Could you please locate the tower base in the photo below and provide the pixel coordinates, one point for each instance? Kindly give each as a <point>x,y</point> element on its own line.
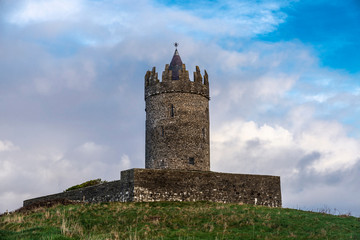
<point>149,185</point>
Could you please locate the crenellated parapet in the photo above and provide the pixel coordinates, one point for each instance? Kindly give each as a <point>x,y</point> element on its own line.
<point>151,77</point>
<point>168,74</point>
<point>183,84</point>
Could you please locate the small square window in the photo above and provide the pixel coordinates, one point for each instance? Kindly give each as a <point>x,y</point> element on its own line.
<point>191,160</point>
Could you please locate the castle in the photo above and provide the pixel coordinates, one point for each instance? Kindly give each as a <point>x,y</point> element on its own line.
<point>177,152</point>
<point>177,119</point>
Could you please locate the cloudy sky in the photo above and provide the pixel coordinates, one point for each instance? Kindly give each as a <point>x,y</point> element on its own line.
<point>284,81</point>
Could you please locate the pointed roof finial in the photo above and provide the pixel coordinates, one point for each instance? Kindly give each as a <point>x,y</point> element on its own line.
<point>175,64</point>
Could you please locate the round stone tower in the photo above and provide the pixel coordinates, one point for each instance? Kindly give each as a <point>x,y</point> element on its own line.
<point>177,118</point>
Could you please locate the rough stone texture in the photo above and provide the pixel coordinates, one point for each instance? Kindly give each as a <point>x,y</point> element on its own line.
<point>181,185</point>
<point>177,121</point>
<point>148,185</point>
<point>116,191</point>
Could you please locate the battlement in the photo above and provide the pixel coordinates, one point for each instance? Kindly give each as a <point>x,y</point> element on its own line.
<point>181,83</point>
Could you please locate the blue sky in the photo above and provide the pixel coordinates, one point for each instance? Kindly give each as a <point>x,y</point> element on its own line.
<point>284,85</point>
<point>330,27</point>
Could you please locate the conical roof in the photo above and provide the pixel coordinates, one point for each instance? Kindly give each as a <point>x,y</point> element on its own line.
<point>175,65</point>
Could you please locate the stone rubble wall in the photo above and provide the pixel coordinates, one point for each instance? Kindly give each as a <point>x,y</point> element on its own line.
<point>115,191</point>
<point>149,185</point>
<point>180,185</point>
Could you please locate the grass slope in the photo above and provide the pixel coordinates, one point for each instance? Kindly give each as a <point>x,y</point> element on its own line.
<point>175,220</point>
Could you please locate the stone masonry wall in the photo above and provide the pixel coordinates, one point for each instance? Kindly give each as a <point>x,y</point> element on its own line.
<point>148,185</point>
<point>179,185</point>
<point>177,132</point>
<point>115,191</point>
<point>177,121</point>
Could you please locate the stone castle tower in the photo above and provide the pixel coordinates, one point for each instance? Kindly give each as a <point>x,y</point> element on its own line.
<point>177,118</point>
<point>177,142</point>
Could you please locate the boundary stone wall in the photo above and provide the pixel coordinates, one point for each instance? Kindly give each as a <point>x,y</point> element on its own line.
<point>181,185</point>
<point>149,185</point>
<point>115,191</point>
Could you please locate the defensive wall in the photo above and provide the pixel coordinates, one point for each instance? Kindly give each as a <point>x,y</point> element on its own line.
<point>149,185</point>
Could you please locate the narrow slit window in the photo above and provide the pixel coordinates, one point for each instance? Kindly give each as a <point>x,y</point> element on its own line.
<point>162,131</point>
<point>191,160</point>
<point>172,110</point>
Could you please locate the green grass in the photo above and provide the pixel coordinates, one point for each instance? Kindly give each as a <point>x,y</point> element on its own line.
<point>86,184</point>
<point>175,220</point>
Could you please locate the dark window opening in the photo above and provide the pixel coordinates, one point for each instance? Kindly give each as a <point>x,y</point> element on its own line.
<point>191,160</point>
<point>172,112</point>
<point>162,131</point>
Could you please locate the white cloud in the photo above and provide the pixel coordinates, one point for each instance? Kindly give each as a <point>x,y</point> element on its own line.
<point>239,142</point>
<point>321,98</point>
<point>47,169</point>
<point>124,162</point>
<point>273,86</point>
<point>91,148</point>
<point>106,23</point>
<point>231,60</point>
<point>10,201</point>
<point>45,10</point>
<point>234,18</point>
<point>79,78</point>
<point>314,163</point>
<point>7,146</point>
<point>57,75</point>
<point>240,146</point>
<point>338,151</point>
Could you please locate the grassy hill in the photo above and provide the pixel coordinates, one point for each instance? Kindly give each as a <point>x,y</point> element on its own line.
<point>174,220</point>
